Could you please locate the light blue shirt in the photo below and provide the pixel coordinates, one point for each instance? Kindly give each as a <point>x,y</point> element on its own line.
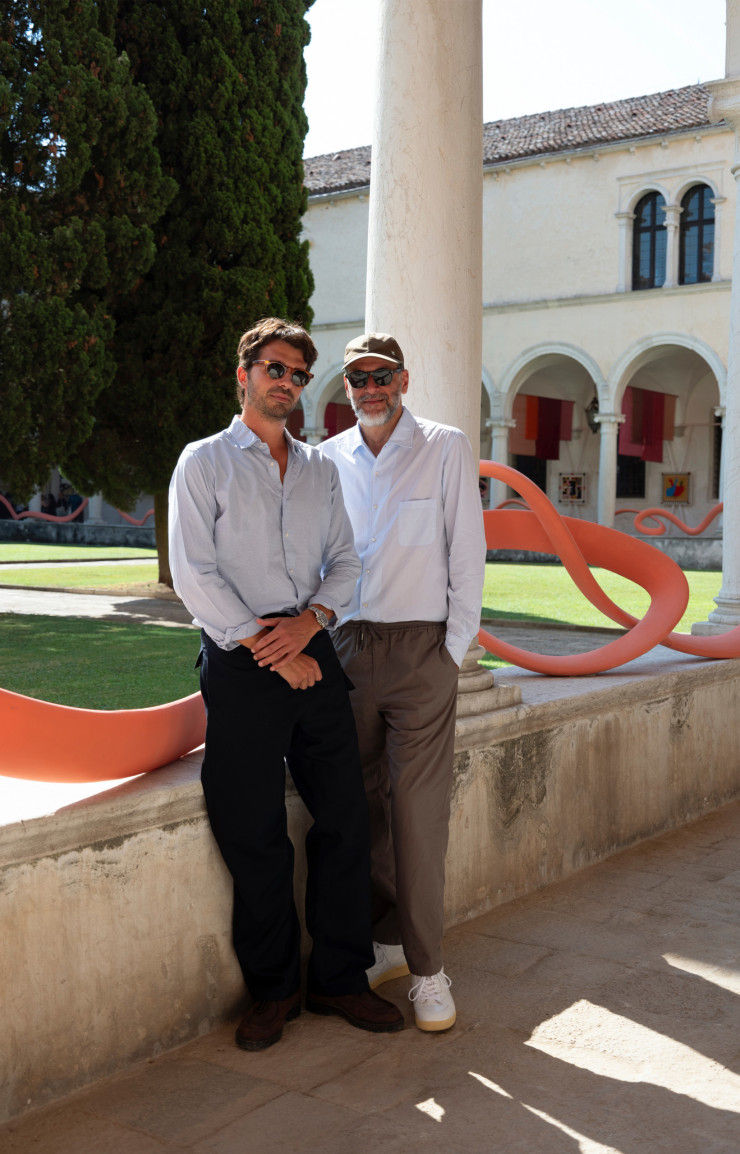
<point>243,545</point>
<point>418,524</point>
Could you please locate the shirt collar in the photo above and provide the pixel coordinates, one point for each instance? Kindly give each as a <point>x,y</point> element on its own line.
<point>246,439</point>
<point>402,435</point>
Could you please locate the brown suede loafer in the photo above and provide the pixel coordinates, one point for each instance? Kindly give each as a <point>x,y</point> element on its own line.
<point>366,1010</point>
<point>262,1025</point>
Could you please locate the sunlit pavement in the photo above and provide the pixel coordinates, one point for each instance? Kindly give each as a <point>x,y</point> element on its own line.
<point>599,1015</point>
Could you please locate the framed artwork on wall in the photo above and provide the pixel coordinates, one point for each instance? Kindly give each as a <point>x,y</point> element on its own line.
<point>676,488</point>
<point>572,489</point>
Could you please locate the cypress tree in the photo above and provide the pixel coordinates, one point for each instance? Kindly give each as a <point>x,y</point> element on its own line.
<point>80,185</point>
<point>227,80</point>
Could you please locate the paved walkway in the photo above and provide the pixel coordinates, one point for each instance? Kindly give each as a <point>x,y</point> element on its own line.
<point>598,1015</point>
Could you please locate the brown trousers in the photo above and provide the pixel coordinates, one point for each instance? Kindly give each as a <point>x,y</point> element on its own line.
<point>404,698</point>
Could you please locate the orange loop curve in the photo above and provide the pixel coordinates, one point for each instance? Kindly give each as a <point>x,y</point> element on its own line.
<point>578,544</point>
<point>27,513</point>
<point>43,741</point>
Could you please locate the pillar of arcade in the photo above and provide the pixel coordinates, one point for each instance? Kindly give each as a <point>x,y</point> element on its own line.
<point>425,237</point>
<point>608,442</point>
<point>725,105</point>
<point>424,276</point>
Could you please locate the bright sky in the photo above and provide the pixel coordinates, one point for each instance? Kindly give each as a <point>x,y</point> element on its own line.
<point>537,55</point>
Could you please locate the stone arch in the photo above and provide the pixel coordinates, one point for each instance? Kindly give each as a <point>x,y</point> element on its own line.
<point>647,187</point>
<point>542,356</point>
<point>692,182</point>
<point>650,348</point>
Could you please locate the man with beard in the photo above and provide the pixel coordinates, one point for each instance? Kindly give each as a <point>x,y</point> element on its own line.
<point>261,553</point>
<point>411,491</point>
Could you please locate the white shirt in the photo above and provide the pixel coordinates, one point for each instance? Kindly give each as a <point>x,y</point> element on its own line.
<point>418,524</point>
<point>243,545</point>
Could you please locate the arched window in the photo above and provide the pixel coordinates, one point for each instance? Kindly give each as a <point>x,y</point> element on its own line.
<point>649,242</point>
<point>696,262</point>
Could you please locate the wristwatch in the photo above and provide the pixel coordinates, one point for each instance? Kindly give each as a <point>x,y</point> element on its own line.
<point>320,616</point>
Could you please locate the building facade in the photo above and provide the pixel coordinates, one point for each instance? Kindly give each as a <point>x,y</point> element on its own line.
<point>607,258</point>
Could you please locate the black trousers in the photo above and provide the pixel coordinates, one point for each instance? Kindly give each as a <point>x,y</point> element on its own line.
<point>256,722</point>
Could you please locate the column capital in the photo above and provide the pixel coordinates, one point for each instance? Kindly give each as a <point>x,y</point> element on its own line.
<point>719,411</point>
<point>500,423</point>
<point>314,434</point>
<point>672,212</point>
<point>609,422</point>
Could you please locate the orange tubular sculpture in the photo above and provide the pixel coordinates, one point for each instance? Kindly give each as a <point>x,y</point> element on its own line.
<point>580,544</point>
<point>42,741</point>
<point>46,742</point>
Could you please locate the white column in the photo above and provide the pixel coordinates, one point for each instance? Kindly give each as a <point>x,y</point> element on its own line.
<point>34,505</point>
<point>499,427</point>
<point>727,613</point>
<point>424,275</point>
<point>626,220</point>
<point>672,218</point>
<point>608,433</point>
<point>95,509</point>
<point>725,104</point>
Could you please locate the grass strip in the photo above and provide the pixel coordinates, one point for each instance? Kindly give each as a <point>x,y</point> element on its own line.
<point>43,551</point>
<point>546,593</point>
<point>96,664</point>
<point>110,577</point>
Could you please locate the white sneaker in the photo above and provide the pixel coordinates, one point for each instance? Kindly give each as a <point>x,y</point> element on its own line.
<point>390,962</point>
<point>434,1007</point>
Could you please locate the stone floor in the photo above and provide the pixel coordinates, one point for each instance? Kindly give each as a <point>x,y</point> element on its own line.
<point>601,1014</point>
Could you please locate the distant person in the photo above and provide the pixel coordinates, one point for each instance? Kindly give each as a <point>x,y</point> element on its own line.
<point>262,555</point>
<point>73,503</point>
<point>411,491</point>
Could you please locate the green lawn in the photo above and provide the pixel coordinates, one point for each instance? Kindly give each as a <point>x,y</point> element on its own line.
<point>10,551</point>
<point>547,593</point>
<point>106,665</point>
<point>83,577</point>
<point>97,664</point>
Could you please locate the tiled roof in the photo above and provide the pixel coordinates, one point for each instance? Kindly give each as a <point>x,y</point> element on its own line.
<point>679,110</point>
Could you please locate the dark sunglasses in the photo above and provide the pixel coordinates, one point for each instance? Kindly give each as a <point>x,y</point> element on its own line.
<point>358,379</point>
<point>276,370</point>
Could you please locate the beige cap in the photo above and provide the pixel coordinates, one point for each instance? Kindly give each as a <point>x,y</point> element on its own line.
<point>380,345</point>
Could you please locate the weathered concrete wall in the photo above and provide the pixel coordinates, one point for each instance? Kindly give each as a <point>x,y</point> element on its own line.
<point>115,913</point>
<point>74,533</point>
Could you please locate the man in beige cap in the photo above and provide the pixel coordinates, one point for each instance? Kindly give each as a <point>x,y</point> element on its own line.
<point>411,490</point>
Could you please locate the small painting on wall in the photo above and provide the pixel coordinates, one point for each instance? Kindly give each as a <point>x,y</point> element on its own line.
<point>572,489</point>
<point>676,488</point>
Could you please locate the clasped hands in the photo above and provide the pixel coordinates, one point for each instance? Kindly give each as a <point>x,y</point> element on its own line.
<point>280,646</point>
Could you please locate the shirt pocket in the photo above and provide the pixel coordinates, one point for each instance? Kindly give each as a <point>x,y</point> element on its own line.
<point>417,522</point>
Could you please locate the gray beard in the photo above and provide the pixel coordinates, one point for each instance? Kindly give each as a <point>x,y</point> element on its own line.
<point>374,420</point>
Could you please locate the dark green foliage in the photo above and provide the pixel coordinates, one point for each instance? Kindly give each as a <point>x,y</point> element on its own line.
<point>227,80</point>
<point>80,186</point>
